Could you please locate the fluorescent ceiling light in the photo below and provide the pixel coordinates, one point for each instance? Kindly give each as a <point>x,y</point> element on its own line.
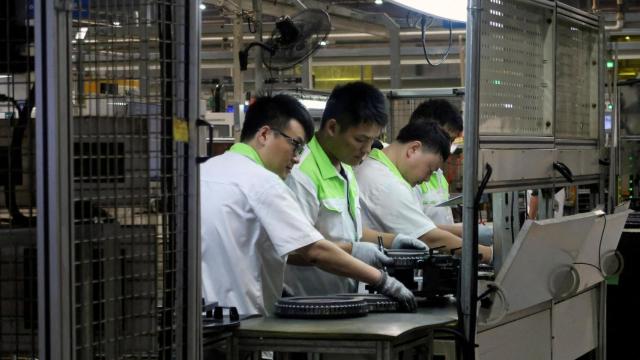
<point>455,10</point>
<point>82,32</point>
<point>203,7</point>
<point>378,2</point>
<point>313,104</point>
<point>4,76</point>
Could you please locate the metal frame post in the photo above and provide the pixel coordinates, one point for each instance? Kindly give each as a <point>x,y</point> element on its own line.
<point>393,30</point>
<point>470,178</point>
<point>601,133</point>
<point>193,340</point>
<point>238,76</point>
<point>258,70</point>
<point>53,170</point>
<point>307,73</point>
<point>614,158</point>
<point>506,225</point>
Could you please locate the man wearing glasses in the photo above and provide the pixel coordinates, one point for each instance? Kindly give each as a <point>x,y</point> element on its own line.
<point>251,222</point>
<point>326,188</point>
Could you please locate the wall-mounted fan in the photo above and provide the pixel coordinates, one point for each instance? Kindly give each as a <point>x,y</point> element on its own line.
<point>293,40</point>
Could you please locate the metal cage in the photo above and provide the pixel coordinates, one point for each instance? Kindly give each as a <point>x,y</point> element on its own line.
<point>18,261</point>
<point>118,241</point>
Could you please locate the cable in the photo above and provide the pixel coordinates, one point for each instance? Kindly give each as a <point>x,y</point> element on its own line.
<point>598,267</point>
<point>407,18</point>
<point>424,27</point>
<point>250,22</point>
<point>513,200</point>
<point>590,264</point>
<point>600,245</point>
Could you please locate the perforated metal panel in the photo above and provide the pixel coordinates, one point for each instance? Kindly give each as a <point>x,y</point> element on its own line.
<point>18,259</point>
<point>576,80</point>
<point>401,108</point>
<point>129,171</point>
<point>516,69</point>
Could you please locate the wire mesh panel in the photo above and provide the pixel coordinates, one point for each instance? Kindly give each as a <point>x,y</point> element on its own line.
<point>18,256</point>
<point>576,80</point>
<point>516,69</point>
<point>401,109</point>
<point>128,178</point>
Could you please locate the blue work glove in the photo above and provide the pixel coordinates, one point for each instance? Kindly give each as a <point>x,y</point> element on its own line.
<point>369,254</point>
<point>393,288</point>
<point>407,242</point>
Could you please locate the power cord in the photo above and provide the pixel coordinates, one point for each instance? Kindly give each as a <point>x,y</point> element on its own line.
<point>598,267</point>
<point>424,26</point>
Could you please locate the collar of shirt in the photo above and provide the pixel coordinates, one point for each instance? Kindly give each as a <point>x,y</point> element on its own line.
<point>437,181</point>
<point>246,150</point>
<point>327,170</point>
<point>380,156</point>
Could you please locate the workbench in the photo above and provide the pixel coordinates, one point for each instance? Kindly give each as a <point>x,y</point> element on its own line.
<point>384,335</point>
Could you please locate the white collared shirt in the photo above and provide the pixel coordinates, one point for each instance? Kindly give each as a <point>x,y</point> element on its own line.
<point>389,203</point>
<point>433,192</point>
<point>331,204</point>
<point>250,222</point>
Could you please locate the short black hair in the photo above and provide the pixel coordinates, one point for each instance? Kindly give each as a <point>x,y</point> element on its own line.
<point>430,134</point>
<point>275,112</point>
<point>355,103</point>
<point>440,111</point>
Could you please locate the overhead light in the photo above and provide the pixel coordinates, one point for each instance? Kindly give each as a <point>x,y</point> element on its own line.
<point>116,23</point>
<point>323,43</point>
<point>313,104</point>
<point>82,32</point>
<point>4,76</point>
<point>627,37</point>
<point>455,10</point>
<point>378,2</point>
<point>203,7</point>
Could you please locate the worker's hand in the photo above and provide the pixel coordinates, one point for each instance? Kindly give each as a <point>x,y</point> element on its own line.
<point>369,254</point>
<point>407,242</point>
<point>391,287</point>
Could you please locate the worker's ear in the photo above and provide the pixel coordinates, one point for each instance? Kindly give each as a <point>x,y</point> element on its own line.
<point>263,135</point>
<point>413,147</point>
<point>331,127</point>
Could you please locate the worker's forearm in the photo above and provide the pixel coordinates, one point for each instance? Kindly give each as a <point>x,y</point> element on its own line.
<point>455,229</point>
<point>299,260</point>
<point>371,236</point>
<point>331,258</point>
<point>439,238</point>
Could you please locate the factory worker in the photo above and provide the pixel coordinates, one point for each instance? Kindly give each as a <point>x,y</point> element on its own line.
<point>326,188</point>
<point>387,179</point>
<point>436,189</point>
<point>251,222</point>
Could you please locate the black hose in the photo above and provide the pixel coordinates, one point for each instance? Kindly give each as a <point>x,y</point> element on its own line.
<point>15,157</point>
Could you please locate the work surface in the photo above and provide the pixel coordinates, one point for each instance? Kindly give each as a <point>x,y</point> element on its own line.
<point>371,327</point>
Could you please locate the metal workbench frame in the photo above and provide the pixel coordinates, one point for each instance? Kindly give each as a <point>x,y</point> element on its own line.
<point>384,349</point>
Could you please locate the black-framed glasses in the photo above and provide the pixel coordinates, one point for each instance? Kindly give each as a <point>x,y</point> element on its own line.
<point>298,146</point>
